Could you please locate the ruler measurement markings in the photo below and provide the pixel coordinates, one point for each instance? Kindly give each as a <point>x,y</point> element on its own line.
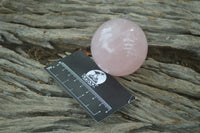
<point>84,104</point>
<point>91,98</point>
<point>75,95</point>
<point>85,84</point>
<point>87,107</point>
<point>78,98</point>
<point>71,92</point>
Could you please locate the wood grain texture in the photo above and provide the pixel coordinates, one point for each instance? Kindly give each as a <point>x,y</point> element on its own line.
<point>34,33</point>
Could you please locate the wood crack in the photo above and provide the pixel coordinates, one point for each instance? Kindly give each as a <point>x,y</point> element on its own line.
<point>35,33</point>
<point>172,55</point>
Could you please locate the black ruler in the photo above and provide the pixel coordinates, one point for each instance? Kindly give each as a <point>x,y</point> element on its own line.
<point>99,93</point>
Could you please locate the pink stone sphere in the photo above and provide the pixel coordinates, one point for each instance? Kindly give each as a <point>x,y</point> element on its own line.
<point>119,47</point>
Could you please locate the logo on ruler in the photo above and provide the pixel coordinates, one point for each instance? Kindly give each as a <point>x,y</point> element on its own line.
<point>94,77</point>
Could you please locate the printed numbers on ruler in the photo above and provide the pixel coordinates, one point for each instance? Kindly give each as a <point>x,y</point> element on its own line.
<point>94,103</point>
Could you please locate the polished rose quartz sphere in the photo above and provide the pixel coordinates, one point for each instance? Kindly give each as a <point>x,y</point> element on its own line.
<point>119,47</point>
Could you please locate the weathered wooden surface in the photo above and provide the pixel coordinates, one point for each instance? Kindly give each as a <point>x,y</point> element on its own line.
<point>34,33</point>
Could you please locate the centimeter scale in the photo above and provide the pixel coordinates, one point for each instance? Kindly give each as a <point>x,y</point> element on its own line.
<point>99,93</point>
